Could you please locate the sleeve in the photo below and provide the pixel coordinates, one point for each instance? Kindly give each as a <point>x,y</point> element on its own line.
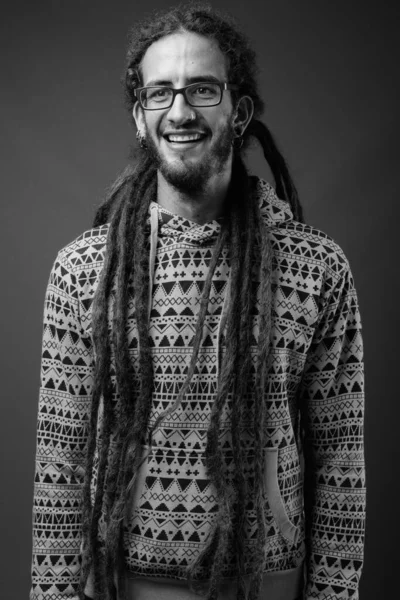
<point>332,409</point>
<point>64,404</point>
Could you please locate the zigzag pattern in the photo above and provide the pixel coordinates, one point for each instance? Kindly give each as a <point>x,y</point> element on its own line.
<point>316,374</point>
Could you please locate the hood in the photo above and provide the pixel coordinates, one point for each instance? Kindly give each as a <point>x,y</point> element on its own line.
<point>176,228</point>
<point>273,209</point>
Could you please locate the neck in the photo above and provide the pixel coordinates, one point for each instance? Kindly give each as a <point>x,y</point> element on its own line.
<point>206,205</point>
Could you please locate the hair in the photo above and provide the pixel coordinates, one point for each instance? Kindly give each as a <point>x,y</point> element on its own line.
<point>125,280</point>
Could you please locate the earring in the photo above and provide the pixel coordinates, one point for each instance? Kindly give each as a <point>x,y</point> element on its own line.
<point>141,138</point>
<point>237,141</point>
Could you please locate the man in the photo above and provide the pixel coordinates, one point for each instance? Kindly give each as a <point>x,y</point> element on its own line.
<point>201,342</point>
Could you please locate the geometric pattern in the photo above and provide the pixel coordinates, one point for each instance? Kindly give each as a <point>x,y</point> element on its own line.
<point>315,379</point>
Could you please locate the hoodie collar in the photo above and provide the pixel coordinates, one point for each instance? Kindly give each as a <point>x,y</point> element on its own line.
<point>180,229</point>
<point>177,228</point>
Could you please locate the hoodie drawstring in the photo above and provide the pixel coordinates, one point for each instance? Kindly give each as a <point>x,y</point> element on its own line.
<point>153,250</point>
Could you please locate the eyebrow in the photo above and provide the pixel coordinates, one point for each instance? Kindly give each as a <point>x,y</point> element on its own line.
<point>189,80</point>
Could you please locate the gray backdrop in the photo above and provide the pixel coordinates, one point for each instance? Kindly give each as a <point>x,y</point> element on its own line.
<point>329,78</point>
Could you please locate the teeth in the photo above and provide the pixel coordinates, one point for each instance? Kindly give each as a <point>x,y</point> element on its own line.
<point>184,138</point>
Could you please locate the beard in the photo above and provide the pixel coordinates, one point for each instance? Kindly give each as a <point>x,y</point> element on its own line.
<point>188,177</point>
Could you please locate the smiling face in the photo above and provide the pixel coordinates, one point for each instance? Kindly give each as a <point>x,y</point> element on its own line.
<point>190,145</point>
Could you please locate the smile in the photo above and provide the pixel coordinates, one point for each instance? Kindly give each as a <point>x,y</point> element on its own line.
<point>184,138</point>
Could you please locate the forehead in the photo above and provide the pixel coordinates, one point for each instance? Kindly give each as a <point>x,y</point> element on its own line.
<point>178,57</point>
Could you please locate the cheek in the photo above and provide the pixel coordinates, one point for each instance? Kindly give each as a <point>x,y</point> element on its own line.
<point>152,123</point>
<point>224,118</point>
<point>223,123</point>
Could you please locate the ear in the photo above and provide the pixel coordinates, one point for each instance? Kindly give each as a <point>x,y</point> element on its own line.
<point>243,113</point>
<point>138,115</point>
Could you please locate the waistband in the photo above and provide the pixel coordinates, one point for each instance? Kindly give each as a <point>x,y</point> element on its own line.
<point>276,585</point>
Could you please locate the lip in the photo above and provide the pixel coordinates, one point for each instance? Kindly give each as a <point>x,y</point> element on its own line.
<point>185,133</point>
<point>184,146</point>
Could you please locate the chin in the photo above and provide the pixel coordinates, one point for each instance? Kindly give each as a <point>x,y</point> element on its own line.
<point>186,178</point>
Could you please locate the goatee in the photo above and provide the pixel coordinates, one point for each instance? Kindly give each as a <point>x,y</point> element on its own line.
<point>192,178</point>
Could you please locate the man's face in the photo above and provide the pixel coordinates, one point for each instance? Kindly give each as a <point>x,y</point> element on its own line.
<point>178,60</point>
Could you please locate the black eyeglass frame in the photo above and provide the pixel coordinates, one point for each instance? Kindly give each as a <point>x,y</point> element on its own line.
<point>222,86</point>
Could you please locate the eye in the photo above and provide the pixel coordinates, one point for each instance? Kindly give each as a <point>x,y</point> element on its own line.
<point>203,90</point>
<point>157,93</point>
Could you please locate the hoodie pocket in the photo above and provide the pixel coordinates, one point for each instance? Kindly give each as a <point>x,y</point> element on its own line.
<point>271,486</point>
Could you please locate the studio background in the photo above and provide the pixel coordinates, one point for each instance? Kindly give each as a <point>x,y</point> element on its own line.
<point>329,77</point>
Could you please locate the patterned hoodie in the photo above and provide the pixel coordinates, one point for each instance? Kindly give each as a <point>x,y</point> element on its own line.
<point>315,373</point>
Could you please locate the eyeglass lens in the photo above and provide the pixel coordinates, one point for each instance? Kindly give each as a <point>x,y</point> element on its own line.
<point>197,94</point>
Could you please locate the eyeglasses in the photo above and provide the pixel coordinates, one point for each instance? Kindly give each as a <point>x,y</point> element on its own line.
<point>204,93</point>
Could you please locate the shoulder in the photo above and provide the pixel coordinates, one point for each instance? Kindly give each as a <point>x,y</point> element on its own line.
<point>311,261</point>
<point>84,252</point>
<point>75,274</point>
<point>304,243</point>
<point>78,264</point>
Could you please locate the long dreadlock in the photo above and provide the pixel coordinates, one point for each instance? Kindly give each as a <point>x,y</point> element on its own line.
<point>124,281</point>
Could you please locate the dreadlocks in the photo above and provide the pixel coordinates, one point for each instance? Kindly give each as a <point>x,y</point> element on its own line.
<point>124,282</point>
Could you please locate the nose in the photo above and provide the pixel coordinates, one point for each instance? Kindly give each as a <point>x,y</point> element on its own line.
<point>180,111</point>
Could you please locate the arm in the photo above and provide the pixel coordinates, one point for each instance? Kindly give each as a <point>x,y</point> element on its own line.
<point>64,404</point>
<point>332,407</point>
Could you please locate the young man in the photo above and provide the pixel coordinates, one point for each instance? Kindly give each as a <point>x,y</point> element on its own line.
<point>201,343</point>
